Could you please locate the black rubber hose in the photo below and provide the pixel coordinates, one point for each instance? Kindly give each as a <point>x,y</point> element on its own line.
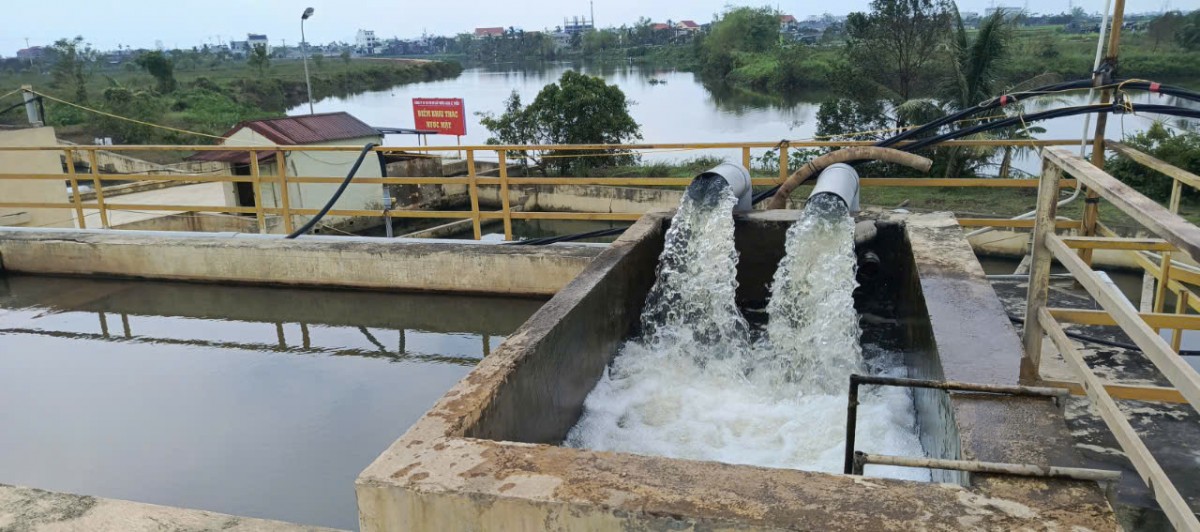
<point>568,238</point>
<point>1000,101</point>
<point>337,193</point>
<point>1102,341</point>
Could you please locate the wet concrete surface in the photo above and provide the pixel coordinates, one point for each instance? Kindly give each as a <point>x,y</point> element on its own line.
<point>1171,431</point>
<point>259,402</point>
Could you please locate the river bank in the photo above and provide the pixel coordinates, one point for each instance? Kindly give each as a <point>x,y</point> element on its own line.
<point>211,99</point>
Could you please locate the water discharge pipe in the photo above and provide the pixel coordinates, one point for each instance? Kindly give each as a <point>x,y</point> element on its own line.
<point>736,176</point>
<point>841,180</point>
<point>856,153</point>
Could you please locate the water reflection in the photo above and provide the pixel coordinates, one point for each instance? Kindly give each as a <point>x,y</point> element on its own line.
<point>252,401</point>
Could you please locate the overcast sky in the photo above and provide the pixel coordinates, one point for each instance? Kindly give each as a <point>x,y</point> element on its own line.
<point>186,23</point>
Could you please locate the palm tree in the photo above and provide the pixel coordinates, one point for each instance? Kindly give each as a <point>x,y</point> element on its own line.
<point>974,72</point>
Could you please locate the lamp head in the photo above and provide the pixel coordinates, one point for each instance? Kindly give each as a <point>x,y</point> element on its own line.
<point>307,13</point>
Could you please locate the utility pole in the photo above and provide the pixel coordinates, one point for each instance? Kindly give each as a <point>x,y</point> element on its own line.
<point>1091,208</point>
<point>304,52</point>
<point>592,8</point>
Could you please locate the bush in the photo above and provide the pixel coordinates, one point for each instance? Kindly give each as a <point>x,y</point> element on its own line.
<point>1179,149</point>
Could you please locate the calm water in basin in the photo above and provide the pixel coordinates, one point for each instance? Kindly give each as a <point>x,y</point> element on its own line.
<point>263,402</point>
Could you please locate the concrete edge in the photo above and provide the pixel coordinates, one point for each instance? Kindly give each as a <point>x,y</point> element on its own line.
<point>31,509</point>
<point>416,265</point>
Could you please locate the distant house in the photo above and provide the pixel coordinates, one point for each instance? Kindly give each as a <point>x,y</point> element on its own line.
<point>239,48</point>
<point>562,39</point>
<point>659,26</point>
<point>324,129</point>
<point>254,40</point>
<point>365,43</point>
<point>1008,11</point>
<point>33,53</point>
<point>686,28</point>
<point>481,33</point>
<point>787,23</point>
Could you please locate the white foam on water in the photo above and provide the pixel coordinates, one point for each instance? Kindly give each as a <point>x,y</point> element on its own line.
<point>695,385</point>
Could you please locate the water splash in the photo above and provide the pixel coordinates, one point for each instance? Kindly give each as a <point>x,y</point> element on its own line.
<point>697,384</point>
<point>812,332</point>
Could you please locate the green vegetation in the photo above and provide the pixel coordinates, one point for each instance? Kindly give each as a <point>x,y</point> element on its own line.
<point>579,109</point>
<point>1179,149</point>
<point>192,91</point>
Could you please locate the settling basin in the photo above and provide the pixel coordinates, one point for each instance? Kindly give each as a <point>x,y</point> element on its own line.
<point>263,402</point>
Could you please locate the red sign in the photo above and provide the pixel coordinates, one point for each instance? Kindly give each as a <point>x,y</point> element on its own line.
<point>444,115</point>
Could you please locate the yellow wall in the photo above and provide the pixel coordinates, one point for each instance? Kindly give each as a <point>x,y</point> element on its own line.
<point>33,191</point>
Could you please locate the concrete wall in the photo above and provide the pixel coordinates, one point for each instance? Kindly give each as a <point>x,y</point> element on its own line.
<point>567,344</point>
<point>477,459</point>
<point>119,163</point>
<point>204,223</point>
<point>356,262</point>
<point>33,191</point>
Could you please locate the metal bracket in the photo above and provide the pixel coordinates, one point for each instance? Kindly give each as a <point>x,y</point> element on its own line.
<point>856,380</point>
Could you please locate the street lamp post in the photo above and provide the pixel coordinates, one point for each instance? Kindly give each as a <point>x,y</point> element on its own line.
<point>304,52</point>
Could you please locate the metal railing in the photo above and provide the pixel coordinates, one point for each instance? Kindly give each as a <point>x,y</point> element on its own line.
<point>473,180</point>
<point>1174,235</point>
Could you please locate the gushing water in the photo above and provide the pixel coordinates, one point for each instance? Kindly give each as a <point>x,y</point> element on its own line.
<point>697,383</point>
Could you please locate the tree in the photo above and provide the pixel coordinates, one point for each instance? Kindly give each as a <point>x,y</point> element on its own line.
<point>896,44</point>
<point>71,56</point>
<point>345,55</point>
<point>579,109</point>
<point>138,104</point>
<point>598,41</point>
<point>318,60</point>
<point>259,58</point>
<point>161,68</point>
<point>740,30</point>
<point>1188,35</point>
<point>1179,149</point>
<point>973,77</point>
<point>1164,27</point>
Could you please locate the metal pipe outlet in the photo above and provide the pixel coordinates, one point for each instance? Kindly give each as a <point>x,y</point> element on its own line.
<point>735,175</point>
<point>841,180</point>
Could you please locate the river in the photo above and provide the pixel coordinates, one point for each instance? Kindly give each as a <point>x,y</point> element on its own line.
<point>682,109</point>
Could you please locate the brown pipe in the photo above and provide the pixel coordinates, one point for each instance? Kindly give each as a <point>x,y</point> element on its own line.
<point>854,153</point>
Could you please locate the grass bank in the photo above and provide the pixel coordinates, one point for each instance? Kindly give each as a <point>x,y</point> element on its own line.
<point>208,99</point>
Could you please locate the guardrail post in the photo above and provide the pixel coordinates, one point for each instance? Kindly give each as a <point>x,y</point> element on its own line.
<point>783,161</point>
<point>95,168</point>
<point>281,164</point>
<point>1176,195</point>
<point>746,157</point>
<point>504,201</point>
<point>1164,278</point>
<point>1181,307</point>
<point>1039,273</point>
<point>258,199</point>
<point>473,191</point>
<point>75,188</point>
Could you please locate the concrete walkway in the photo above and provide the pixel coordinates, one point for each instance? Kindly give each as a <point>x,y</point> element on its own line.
<point>1171,431</point>
<point>28,509</point>
<point>207,194</point>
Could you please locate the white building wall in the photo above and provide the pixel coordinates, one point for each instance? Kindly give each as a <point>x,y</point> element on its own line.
<point>315,164</point>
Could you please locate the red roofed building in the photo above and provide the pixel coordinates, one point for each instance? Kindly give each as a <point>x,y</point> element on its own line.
<point>787,23</point>
<point>685,28</point>
<point>324,129</point>
<point>489,32</point>
<point>659,26</point>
